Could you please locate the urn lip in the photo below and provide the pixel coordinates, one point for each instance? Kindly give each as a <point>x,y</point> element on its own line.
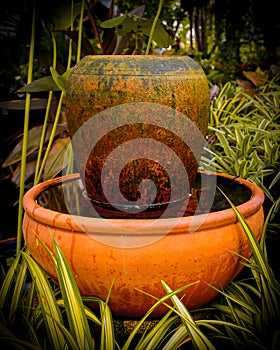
<point>138,226</point>
<point>138,65</point>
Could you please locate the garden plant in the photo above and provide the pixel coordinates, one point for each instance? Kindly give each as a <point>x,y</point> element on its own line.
<point>242,140</point>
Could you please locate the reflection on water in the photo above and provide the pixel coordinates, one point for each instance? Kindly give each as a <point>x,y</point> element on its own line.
<point>206,188</point>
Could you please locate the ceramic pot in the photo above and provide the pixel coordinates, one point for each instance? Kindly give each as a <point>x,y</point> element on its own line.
<point>145,86</point>
<point>210,254</point>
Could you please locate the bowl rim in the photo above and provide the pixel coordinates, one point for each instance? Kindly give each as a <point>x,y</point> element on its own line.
<point>138,226</point>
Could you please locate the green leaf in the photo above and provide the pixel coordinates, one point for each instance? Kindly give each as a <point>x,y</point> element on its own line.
<point>18,289</point>
<point>50,311</point>
<point>159,302</point>
<point>61,80</point>
<point>34,137</point>
<point>199,339</point>
<point>74,307</point>
<point>113,22</point>
<point>40,85</point>
<point>274,154</point>
<point>56,158</point>
<point>177,338</point>
<point>7,285</point>
<point>128,24</point>
<point>155,336</point>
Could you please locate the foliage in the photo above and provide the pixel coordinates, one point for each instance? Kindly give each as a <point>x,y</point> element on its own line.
<point>228,37</point>
<point>140,26</point>
<point>36,314</point>
<point>246,126</point>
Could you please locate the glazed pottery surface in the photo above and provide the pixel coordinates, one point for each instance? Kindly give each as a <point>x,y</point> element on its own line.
<point>144,86</point>
<point>210,254</point>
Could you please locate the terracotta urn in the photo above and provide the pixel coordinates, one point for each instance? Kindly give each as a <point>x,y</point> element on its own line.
<point>140,98</point>
<point>138,253</point>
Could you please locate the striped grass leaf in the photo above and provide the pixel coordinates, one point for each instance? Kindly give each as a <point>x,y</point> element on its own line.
<point>241,167</point>
<point>257,252</point>
<point>8,283</point>
<point>199,339</point>
<point>161,301</point>
<point>239,136</point>
<point>49,309</point>
<point>79,327</point>
<point>234,314</point>
<point>156,335</point>
<point>267,145</point>
<point>274,180</point>
<point>89,313</point>
<point>107,325</point>
<point>7,289</point>
<point>246,288</point>
<point>18,290</point>
<point>264,125</point>
<point>238,301</point>
<point>29,300</point>
<point>178,338</point>
<point>263,188</point>
<point>246,145</point>
<point>226,310</point>
<point>274,154</point>
<point>242,291</point>
<point>269,287</point>
<point>260,106</point>
<point>225,145</point>
<point>225,328</point>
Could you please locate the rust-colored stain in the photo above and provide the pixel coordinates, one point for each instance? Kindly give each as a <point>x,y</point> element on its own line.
<point>100,82</point>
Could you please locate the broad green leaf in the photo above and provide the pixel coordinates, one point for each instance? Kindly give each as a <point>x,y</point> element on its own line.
<point>40,85</point>
<point>56,158</point>
<point>29,171</point>
<point>34,137</point>
<point>141,26</point>
<point>113,22</point>
<point>59,17</point>
<point>35,104</point>
<point>61,80</point>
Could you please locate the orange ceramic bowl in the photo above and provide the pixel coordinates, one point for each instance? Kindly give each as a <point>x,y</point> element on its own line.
<point>138,253</point>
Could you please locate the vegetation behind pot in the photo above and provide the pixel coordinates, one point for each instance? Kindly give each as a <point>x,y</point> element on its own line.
<point>98,83</point>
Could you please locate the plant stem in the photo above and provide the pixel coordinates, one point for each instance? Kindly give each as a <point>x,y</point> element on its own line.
<point>80,31</point>
<point>57,116</point>
<point>153,27</point>
<point>70,40</point>
<point>25,137</point>
<point>42,140</point>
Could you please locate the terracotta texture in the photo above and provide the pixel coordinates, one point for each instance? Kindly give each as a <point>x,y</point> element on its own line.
<point>179,257</point>
<point>101,82</point>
